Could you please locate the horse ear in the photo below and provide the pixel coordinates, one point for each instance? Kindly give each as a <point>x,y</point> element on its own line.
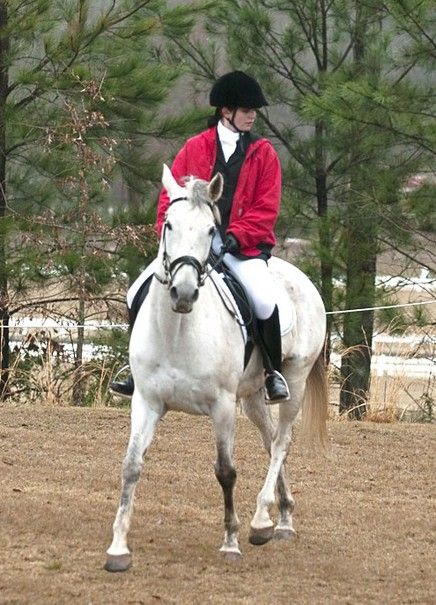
<point>215,187</point>
<point>168,181</point>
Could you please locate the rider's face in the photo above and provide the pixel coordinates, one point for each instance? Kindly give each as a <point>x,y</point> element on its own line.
<point>242,118</point>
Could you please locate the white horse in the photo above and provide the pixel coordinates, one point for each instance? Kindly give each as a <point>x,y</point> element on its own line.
<point>187,354</point>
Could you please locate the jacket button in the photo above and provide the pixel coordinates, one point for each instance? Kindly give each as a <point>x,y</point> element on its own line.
<point>240,212</point>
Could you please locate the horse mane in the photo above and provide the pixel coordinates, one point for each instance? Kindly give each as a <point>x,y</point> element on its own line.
<point>198,193</point>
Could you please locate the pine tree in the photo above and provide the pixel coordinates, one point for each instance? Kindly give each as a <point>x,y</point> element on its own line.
<point>51,53</point>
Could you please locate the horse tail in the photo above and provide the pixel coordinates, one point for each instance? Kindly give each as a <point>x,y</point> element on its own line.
<point>315,405</point>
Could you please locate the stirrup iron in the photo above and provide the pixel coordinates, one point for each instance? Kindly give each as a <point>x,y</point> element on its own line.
<point>276,388</point>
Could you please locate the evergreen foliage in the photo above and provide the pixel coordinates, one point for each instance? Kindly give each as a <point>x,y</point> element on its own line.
<point>352,112</point>
<point>82,85</point>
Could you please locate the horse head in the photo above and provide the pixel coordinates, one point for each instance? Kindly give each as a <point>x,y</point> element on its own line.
<point>189,227</point>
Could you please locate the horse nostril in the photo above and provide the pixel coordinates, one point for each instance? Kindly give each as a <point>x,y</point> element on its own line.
<point>173,292</point>
<point>195,295</point>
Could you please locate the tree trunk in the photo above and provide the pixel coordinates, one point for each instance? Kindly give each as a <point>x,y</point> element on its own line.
<point>79,375</point>
<point>358,327</point>
<point>324,232</point>
<point>4,298</point>
<point>361,256</point>
<point>325,238</point>
<point>79,378</point>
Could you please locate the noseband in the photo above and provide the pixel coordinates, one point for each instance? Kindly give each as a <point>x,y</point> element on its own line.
<point>171,268</point>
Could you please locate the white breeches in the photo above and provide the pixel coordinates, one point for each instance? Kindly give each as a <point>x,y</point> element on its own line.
<point>253,273</point>
<point>256,278</point>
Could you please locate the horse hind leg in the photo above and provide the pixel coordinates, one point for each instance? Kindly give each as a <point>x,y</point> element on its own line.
<point>260,415</point>
<point>284,530</point>
<point>226,476</point>
<point>276,439</point>
<point>144,422</point>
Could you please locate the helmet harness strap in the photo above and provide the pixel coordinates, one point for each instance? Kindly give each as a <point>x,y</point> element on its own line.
<point>231,121</point>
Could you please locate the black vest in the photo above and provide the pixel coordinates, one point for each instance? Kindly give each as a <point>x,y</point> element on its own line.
<point>230,171</point>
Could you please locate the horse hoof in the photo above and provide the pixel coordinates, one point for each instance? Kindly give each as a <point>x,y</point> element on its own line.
<point>118,562</point>
<point>232,556</point>
<point>260,536</point>
<point>284,533</point>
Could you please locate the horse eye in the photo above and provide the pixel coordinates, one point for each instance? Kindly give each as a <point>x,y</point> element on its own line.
<point>168,226</point>
<point>212,231</point>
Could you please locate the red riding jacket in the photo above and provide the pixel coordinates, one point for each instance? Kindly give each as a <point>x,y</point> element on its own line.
<point>256,201</point>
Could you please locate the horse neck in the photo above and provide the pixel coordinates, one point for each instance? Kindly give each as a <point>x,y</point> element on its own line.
<point>167,322</point>
<point>186,337</point>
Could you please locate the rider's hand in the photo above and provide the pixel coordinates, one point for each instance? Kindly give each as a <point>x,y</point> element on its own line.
<point>231,244</point>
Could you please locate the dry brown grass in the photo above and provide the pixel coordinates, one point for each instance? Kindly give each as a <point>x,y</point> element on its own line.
<point>50,380</point>
<point>391,397</point>
<point>364,514</point>
<point>384,404</point>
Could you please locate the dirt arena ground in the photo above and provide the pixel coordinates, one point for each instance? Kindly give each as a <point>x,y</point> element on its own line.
<point>365,515</point>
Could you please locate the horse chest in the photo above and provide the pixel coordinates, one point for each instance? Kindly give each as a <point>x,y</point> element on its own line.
<point>180,389</point>
<point>186,392</point>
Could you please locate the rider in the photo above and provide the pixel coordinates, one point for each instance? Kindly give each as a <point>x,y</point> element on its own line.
<point>249,208</point>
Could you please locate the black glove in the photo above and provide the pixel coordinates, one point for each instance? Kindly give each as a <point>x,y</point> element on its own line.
<point>231,244</point>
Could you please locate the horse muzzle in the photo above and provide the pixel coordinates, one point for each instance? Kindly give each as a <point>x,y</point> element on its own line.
<point>183,298</point>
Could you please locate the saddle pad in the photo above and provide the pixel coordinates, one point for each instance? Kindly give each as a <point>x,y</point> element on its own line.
<point>286,309</point>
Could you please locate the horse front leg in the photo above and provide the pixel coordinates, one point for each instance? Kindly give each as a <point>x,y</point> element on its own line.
<point>262,526</point>
<point>143,425</point>
<point>224,424</point>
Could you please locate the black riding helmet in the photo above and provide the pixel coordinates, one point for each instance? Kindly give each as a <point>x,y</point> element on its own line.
<point>237,89</point>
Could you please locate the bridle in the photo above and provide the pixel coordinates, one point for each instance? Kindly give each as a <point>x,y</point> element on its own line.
<point>172,267</point>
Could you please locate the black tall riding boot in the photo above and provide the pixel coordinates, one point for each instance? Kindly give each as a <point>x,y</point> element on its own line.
<point>271,348</point>
<point>126,387</point>
<point>123,387</point>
